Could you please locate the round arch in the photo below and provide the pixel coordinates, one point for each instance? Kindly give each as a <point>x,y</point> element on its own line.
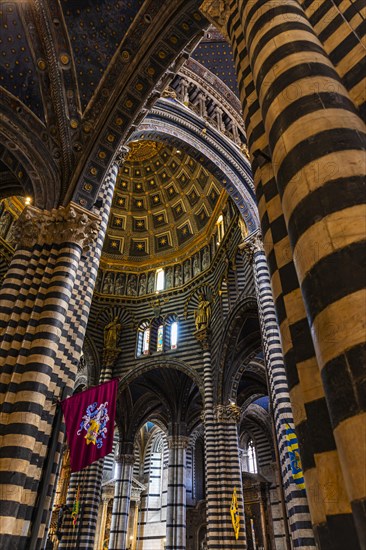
<point>24,150</point>
<point>161,364</point>
<point>243,309</point>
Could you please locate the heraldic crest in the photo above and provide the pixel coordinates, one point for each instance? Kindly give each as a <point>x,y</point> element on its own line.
<point>94,422</point>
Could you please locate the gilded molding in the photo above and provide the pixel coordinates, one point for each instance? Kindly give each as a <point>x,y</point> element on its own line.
<point>59,225</point>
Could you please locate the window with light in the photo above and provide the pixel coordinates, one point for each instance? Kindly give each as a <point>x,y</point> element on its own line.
<point>160,279</point>
<point>220,228</point>
<point>174,335</point>
<point>252,458</point>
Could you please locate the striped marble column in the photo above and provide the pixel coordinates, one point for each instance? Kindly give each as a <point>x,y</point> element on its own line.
<point>176,496</point>
<point>317,142</point>
<point>122,497</point>
<point>222,467</point>
<point>35,300</point>
<point>89,479</point>
<point>296,500</point>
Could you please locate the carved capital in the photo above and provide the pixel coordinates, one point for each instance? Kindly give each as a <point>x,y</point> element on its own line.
<point>125,459</point>
<point>202,336</point>
<point>121,155</point>
<point>252,245</point>
<point>227,414</point>
<point>217,12</point>
<point>60,225</point>
<point>178,442</point>
<point>110,356</point>
<point>169,92</point>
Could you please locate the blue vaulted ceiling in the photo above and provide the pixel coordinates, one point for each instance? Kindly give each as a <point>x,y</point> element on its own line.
<point>18,72</point>
<point>214,53</point>
<point>96,29</point>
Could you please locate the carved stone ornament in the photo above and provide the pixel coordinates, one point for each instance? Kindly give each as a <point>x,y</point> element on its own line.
<point>121,155</point>
<point>228,414</point>
<point>169,92</point>
<point>178,441</point>
<point>125,459</point>
<point>252,245</point>
<point>71,224</point>
<point>202,336</point>
<point>110,356</point>
<point>217,12</point>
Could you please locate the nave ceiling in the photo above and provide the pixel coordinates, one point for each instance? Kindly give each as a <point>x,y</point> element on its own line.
<point>75,76</point>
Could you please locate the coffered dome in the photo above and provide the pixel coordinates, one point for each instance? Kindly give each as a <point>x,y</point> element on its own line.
<point>164,201</point>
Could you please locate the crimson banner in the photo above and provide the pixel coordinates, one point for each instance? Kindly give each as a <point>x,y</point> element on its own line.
<point>89,418</point>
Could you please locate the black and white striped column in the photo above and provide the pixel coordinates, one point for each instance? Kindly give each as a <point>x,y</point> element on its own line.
<point>122,497</point>
<point>318,127</point>
<point>90,479</point>
<point>35,301</point>
<point>296,500</point>
<point>222,467</point>
<point>176,497</point>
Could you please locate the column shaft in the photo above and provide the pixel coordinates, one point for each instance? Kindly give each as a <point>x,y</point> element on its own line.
<point>35,298</point>
<point>296,499</point>
<point>309,132</point>
<point>89,479</point>
<point>121,502</point>
<point>176,496</point>
<point>222,470</point>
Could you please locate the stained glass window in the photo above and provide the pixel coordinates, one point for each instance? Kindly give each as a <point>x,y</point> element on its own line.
<point>146,341</point>
<point>220,228</point>
<point>160,339</point>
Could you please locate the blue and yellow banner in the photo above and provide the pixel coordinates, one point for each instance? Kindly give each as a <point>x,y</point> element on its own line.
<point>234,512</point>
<point>295,460</point>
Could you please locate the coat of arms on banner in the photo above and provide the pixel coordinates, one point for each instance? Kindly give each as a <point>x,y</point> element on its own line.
<point>89,420</point>
<point>94,422</point>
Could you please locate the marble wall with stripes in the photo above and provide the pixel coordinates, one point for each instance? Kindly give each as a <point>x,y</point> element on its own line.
<point>296,61</point>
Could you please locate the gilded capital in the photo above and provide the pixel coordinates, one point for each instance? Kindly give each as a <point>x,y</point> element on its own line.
<point>217,12</point>
<point>202,336</point>
<point>227,414</point>
<point>60,225</point>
